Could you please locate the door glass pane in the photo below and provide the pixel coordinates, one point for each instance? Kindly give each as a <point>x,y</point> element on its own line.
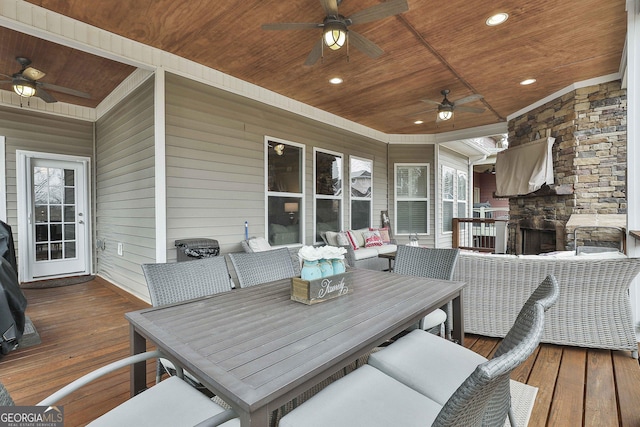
<point>54,212</point>
<point>41,213</point>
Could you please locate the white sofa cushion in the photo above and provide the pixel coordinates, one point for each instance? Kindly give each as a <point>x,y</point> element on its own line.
<point>386,249</point>
<point>363,253</point>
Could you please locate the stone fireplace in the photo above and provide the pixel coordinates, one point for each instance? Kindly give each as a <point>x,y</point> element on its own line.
<point>589,163</point>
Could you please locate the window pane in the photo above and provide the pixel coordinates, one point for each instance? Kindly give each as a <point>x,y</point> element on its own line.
<point>360,214</point>
<point>328,174</point>
<point>447,183</point>
<point>412,181</point>
<point>462,186</point>
<point>328,214</point>
<point>70,249</point>
<point>285,168</point>
<point>462,210</point>
<point>361,178</point>
<point>284,220</point>
<point>41,213</point>
<point>447,215</point>
<point>412,217</point>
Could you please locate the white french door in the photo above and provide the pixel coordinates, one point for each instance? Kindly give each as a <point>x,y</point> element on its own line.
<point>55,215</point>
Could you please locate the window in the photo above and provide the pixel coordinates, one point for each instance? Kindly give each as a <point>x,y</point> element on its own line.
<point>327,192</point>
<point>412,198</point>
<point>285,177</point>
<point>361,172</point>
<point>454,196</point>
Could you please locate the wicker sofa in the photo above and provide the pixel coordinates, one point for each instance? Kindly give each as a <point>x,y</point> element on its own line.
<point>362,257</point>
<point>593,309</point>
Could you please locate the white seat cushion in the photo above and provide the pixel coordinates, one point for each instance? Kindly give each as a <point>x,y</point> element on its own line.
<point>363,253</point>
<point>433,366</point>
<point>386,249</point>
<point>365,397</point>
<point>259,244</point>
<point>170,403</point>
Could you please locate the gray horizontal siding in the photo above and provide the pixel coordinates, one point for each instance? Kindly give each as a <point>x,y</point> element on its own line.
<point>125,189</point>
<point>215,162</point>
<point>32,131</point>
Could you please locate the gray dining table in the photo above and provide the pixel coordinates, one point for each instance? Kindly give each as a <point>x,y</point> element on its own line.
<point>257,349</point>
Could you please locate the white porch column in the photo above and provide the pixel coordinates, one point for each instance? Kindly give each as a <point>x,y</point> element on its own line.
<point>160,166</point>
<point>633,141</point>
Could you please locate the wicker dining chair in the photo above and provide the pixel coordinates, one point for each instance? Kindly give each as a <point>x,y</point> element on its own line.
<point>174,282</point>
<point>411,359</point>
<point>170,403</point>
<point>256,268</point>
<point>368,396</point>
<point>434,263</point>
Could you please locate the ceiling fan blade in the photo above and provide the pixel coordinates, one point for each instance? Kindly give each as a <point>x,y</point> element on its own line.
<point>33,74</point>
<point>364,45</point>
<point>45,96</point>
<point>6,75</point>
<point>430,110</point>
<point>431,101</point>
<point>61,89</point>
<point>469,109</point>
<point>315,54</point>
<point>5,81</point>
<point>291,26</point>
<point>330,6</point>
<point>379,11</point>
<point>468,99</point>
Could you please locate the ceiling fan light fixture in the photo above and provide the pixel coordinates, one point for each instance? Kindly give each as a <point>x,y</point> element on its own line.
<point>445,112</point>
<point>335,35</point>
<point>24,89</point>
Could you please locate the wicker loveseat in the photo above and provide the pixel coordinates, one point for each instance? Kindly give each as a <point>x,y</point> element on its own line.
<point>593,309</point>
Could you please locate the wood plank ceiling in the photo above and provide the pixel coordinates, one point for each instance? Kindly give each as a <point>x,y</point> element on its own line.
<point>432,46</point>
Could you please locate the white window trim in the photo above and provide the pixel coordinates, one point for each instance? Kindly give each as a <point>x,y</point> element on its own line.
<point>369,199</point>
<point>268,193</point>
<point>410,199</point>
<point>326,197</point>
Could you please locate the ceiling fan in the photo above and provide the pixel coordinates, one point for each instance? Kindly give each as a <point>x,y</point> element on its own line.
<point>335,31</point>
<point>445,107</point>
<point>26,83</point>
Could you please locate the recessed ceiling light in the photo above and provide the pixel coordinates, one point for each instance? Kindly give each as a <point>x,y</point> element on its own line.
<point>527,82</point>
<point>497,19</point>
<point>335,81</point>
<point>419,122</point>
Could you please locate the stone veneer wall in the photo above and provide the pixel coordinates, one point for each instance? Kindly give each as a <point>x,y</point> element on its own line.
<point>589,160</point>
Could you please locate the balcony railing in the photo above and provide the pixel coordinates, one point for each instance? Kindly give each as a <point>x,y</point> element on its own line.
<point>481,234</point>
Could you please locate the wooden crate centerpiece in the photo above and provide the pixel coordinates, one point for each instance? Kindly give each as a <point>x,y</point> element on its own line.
<point>315,291</point>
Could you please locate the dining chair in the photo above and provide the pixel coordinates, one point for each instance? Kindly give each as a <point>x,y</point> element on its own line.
<point>174,282</point>
<point>369,397</point>
<point>434,263</point>
<point>411,359</point>
<point>170,403</point>
<point>261,267</point>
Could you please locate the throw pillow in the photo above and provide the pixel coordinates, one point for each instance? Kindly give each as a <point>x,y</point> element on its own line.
<point>259,244</point>
<point>332,238</point>
<point>372,239</point>
<point>352,240</point>
<point>342,239</point>
<point>384,234</point>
